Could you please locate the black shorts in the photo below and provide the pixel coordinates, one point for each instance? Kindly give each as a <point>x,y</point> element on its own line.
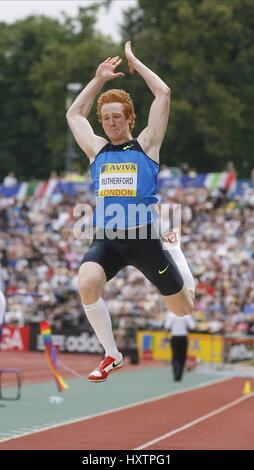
<point>147,255</point>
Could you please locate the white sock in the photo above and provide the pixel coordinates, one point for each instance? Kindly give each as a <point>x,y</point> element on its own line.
<point>2,307</point>
<point>182,265</point>
<point>99,317</point>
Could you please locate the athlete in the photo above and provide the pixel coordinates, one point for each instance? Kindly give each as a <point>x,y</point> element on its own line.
<point>124,172</point>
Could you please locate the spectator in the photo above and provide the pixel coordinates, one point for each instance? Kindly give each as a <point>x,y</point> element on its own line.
<point>37,246</point>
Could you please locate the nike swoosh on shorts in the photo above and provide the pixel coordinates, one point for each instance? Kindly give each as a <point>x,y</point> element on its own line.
<point>161,271</point>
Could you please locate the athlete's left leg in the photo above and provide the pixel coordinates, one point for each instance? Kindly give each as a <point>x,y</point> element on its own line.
<point>181,303</point>
<point>159,267</point>
<point>173,246</point>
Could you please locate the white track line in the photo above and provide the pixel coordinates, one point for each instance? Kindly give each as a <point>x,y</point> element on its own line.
<point>196,421</point>
<point>120,408</point>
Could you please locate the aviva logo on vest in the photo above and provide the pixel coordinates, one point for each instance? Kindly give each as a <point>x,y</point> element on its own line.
<point>128,167</point>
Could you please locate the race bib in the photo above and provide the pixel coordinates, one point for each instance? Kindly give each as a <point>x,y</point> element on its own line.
<point>118,179</point>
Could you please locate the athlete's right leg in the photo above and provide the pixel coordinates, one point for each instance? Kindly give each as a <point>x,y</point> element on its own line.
<point>92,279</point>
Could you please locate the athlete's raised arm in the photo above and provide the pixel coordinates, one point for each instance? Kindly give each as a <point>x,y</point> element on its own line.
<point>152,136</point>
<point>79,110</point>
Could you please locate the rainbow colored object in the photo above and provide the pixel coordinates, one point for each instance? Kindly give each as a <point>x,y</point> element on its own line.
<point>50,353</point>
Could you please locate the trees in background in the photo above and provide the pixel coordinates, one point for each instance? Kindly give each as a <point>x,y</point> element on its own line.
<point>203,49</point>
<point>39,57</point>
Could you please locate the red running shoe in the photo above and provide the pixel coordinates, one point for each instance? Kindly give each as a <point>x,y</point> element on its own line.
<point>106,366</point>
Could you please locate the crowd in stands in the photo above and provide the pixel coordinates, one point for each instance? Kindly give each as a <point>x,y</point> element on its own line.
<point>40,258</point>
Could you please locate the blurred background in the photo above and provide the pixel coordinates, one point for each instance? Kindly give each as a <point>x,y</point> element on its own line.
<point>204,50</point>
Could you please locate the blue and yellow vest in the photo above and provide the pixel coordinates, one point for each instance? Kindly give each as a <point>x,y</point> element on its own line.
<point>125,182</point>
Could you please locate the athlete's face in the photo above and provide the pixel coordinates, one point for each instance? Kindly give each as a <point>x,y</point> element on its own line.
<point>114,122</point>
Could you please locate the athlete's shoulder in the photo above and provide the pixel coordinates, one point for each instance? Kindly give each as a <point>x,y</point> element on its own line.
<point>102,146</point>
<point>151,151</point>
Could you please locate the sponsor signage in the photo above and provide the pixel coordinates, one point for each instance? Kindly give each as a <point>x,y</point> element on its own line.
<point>118,179</point>
<point>15,338</point>
<point>239,349</point>
<point>156,345</point>
<point>68,340</point>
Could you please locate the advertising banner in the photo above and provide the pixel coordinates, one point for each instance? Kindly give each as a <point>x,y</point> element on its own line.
<point>15,338</point>
<point>156,345</point>
<point>71,340</point>
<point>239,349</point>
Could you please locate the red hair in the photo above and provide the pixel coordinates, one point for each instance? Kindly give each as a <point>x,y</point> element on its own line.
<point>118,96</point>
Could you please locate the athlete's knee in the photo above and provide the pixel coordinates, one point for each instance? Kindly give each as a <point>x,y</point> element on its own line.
<point>90,285</point>
<point>190,304</point>
<point>186,304</point>
<point>181,303</point>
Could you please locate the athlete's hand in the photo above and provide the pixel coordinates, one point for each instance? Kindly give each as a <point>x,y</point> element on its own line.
<point>130,56</point>
<point>171,236</point>
<point>106,69</point>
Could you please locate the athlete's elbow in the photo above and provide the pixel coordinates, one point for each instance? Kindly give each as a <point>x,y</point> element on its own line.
<point>165,91</point>
<point>69,114</point>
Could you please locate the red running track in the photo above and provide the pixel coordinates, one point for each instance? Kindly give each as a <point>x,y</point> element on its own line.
<point>35,368</point>
<point>136,426</point>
